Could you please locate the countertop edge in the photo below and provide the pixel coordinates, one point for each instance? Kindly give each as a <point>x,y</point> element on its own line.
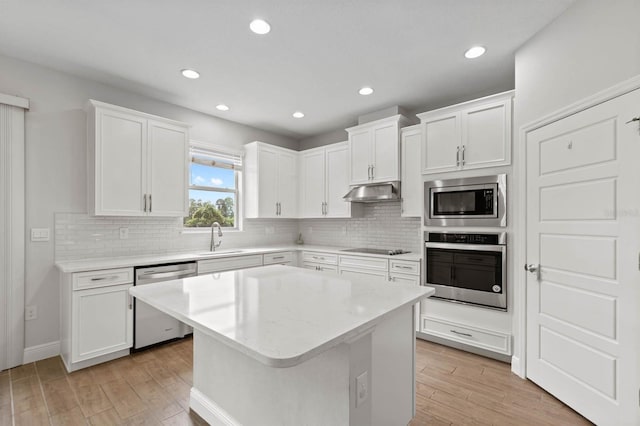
<point>92,264</point>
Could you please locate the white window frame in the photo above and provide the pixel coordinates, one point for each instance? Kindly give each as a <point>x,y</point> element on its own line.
<point>223,151</point>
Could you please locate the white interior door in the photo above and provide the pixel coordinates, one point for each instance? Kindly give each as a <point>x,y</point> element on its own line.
<point>583,215</point>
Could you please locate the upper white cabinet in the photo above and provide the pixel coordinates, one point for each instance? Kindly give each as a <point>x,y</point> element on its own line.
<point>271,176</point>
<point>375,151</point>
<point>470,135</point>
<point>411,190</point>
<point>137,163</point>
<point>324,180</point>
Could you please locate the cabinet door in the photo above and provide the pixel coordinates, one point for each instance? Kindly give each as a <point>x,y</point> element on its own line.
<point>120,163</point>
<point>167,154</point>
<point>442,137</point>
<point>288,184</point>
<point>337,181</point>
<point>404,279</point>
<point>312,183</point>
<point>486,135</point>
<point>412,188</point>
<point>359,150</point>
<point>384,152</point>
<point>102,321</point>
<point>268,182</point>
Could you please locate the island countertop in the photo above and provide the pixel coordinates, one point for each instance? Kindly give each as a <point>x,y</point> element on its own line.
<point>280,315</point>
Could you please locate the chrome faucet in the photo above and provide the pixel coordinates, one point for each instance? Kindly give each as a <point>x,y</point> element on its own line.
<point>213,246</point>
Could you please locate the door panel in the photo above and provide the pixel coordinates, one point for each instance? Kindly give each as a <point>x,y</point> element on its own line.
<point>337,181</point>
<point>442,138</point>
<point>268,175</point>
<point>385,153</point>
<point>583,231</point>
<point>312,184</point>
<point>360,148</point>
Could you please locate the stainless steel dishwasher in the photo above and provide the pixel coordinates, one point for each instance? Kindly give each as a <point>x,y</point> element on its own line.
<point>152,326</point>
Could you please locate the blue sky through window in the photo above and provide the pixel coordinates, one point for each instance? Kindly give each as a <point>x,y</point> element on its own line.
<point>212,176</point>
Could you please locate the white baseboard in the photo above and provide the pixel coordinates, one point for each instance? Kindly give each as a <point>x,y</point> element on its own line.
<point>209,410</point>
<point>38,352</point>
<point>517,367</point>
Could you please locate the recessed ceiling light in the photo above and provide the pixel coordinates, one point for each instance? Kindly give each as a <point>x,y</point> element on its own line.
<point>474,52</point>
<point>365,91</point>
<point>298,114</point>
<point>259,26</point>
<point>222,107</point>
<point>190,73</point>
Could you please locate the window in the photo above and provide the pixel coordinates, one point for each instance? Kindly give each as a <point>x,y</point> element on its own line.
<point>214,181</point>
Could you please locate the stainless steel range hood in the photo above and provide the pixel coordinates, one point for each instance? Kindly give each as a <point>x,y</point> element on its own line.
<point>374,192</point>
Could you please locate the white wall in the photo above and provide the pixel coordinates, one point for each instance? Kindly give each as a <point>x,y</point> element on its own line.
<point>56,166</point>
<point>592,46</point>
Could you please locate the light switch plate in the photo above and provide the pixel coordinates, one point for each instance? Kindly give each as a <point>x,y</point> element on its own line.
<point>39,234</point>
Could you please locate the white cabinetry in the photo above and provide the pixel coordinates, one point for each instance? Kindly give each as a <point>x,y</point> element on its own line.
<point>471,135</point>
<point>229,263</point>
<point>320,261</point>
<point>324,180</point>
<point>271,176</point>
<point>412,189</point>
<point>97,316</point>
<point>487,340</point>
<point>374,150</point>
<point>137,163</point>
<point>280,258</point>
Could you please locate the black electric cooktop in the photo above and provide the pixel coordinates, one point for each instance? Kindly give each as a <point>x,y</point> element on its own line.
<point>386,252</point>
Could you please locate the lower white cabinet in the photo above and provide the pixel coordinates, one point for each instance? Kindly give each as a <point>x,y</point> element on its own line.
<point>229,263</point>
<point>102,320</point>
<point>478,337</point>
<point>96,317</point>
<point>320,267</point>
<point>281,258</point>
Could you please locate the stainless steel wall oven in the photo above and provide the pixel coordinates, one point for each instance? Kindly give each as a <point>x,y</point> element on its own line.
<point>468,267</point>
<point>477,201</point>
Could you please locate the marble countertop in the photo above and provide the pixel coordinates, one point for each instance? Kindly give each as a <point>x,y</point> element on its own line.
<point>130,261</point>
<point>280,315</point>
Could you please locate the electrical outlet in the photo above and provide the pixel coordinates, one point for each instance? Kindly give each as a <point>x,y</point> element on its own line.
<point>124,233</point>
<point>30,312</point>
<point>362,388</point>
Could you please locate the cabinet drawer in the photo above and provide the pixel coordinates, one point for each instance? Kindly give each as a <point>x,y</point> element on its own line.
<point>102,278</point>
<point>319,257</point>
<point>229,263</point>
<point>404,267</point>
<point>320,267</point>
<point>485,339</point>
<point>372,263</point>
<point>278,258</point>
<point>404,279</point>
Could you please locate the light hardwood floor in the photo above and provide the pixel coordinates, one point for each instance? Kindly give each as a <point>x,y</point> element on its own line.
<point>152,387</point>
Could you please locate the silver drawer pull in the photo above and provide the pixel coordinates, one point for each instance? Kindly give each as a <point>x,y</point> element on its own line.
<point>112,277</point>
<point>318,257</point>
<point>278,257</point>
<point>461,334</point>
<point>402,267</point>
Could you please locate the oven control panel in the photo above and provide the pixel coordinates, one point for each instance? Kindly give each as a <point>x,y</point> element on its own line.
<point>466,238</point>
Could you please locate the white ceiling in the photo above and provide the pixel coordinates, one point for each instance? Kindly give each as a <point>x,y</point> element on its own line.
<point>317,56</point>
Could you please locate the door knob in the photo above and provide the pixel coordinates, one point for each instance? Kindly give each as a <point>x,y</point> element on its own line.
<point>534,269</point>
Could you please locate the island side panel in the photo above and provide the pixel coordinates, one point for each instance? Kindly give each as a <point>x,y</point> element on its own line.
<point>230,387</point>
<point>393,362</point>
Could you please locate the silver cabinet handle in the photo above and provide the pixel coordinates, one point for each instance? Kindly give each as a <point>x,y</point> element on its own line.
<point>317,257</point>
<point>112,277</point>
<point>458,156</point>
<point>276,209</point>
<point>373,171</point>
<point>461,334</point>
<point>150,204</point>
<point>402,267</point>
<point>277,257</point>
<point>145,203</point>
<point>130,302</point>
<point>463,147</point>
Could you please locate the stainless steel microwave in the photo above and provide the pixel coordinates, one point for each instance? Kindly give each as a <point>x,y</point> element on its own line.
<point>477,201</point>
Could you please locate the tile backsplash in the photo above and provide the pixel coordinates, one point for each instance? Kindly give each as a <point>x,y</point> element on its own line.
<point>79,235</point>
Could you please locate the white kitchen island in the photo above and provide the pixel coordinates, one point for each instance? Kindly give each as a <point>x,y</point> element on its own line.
<point>280,345</point>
